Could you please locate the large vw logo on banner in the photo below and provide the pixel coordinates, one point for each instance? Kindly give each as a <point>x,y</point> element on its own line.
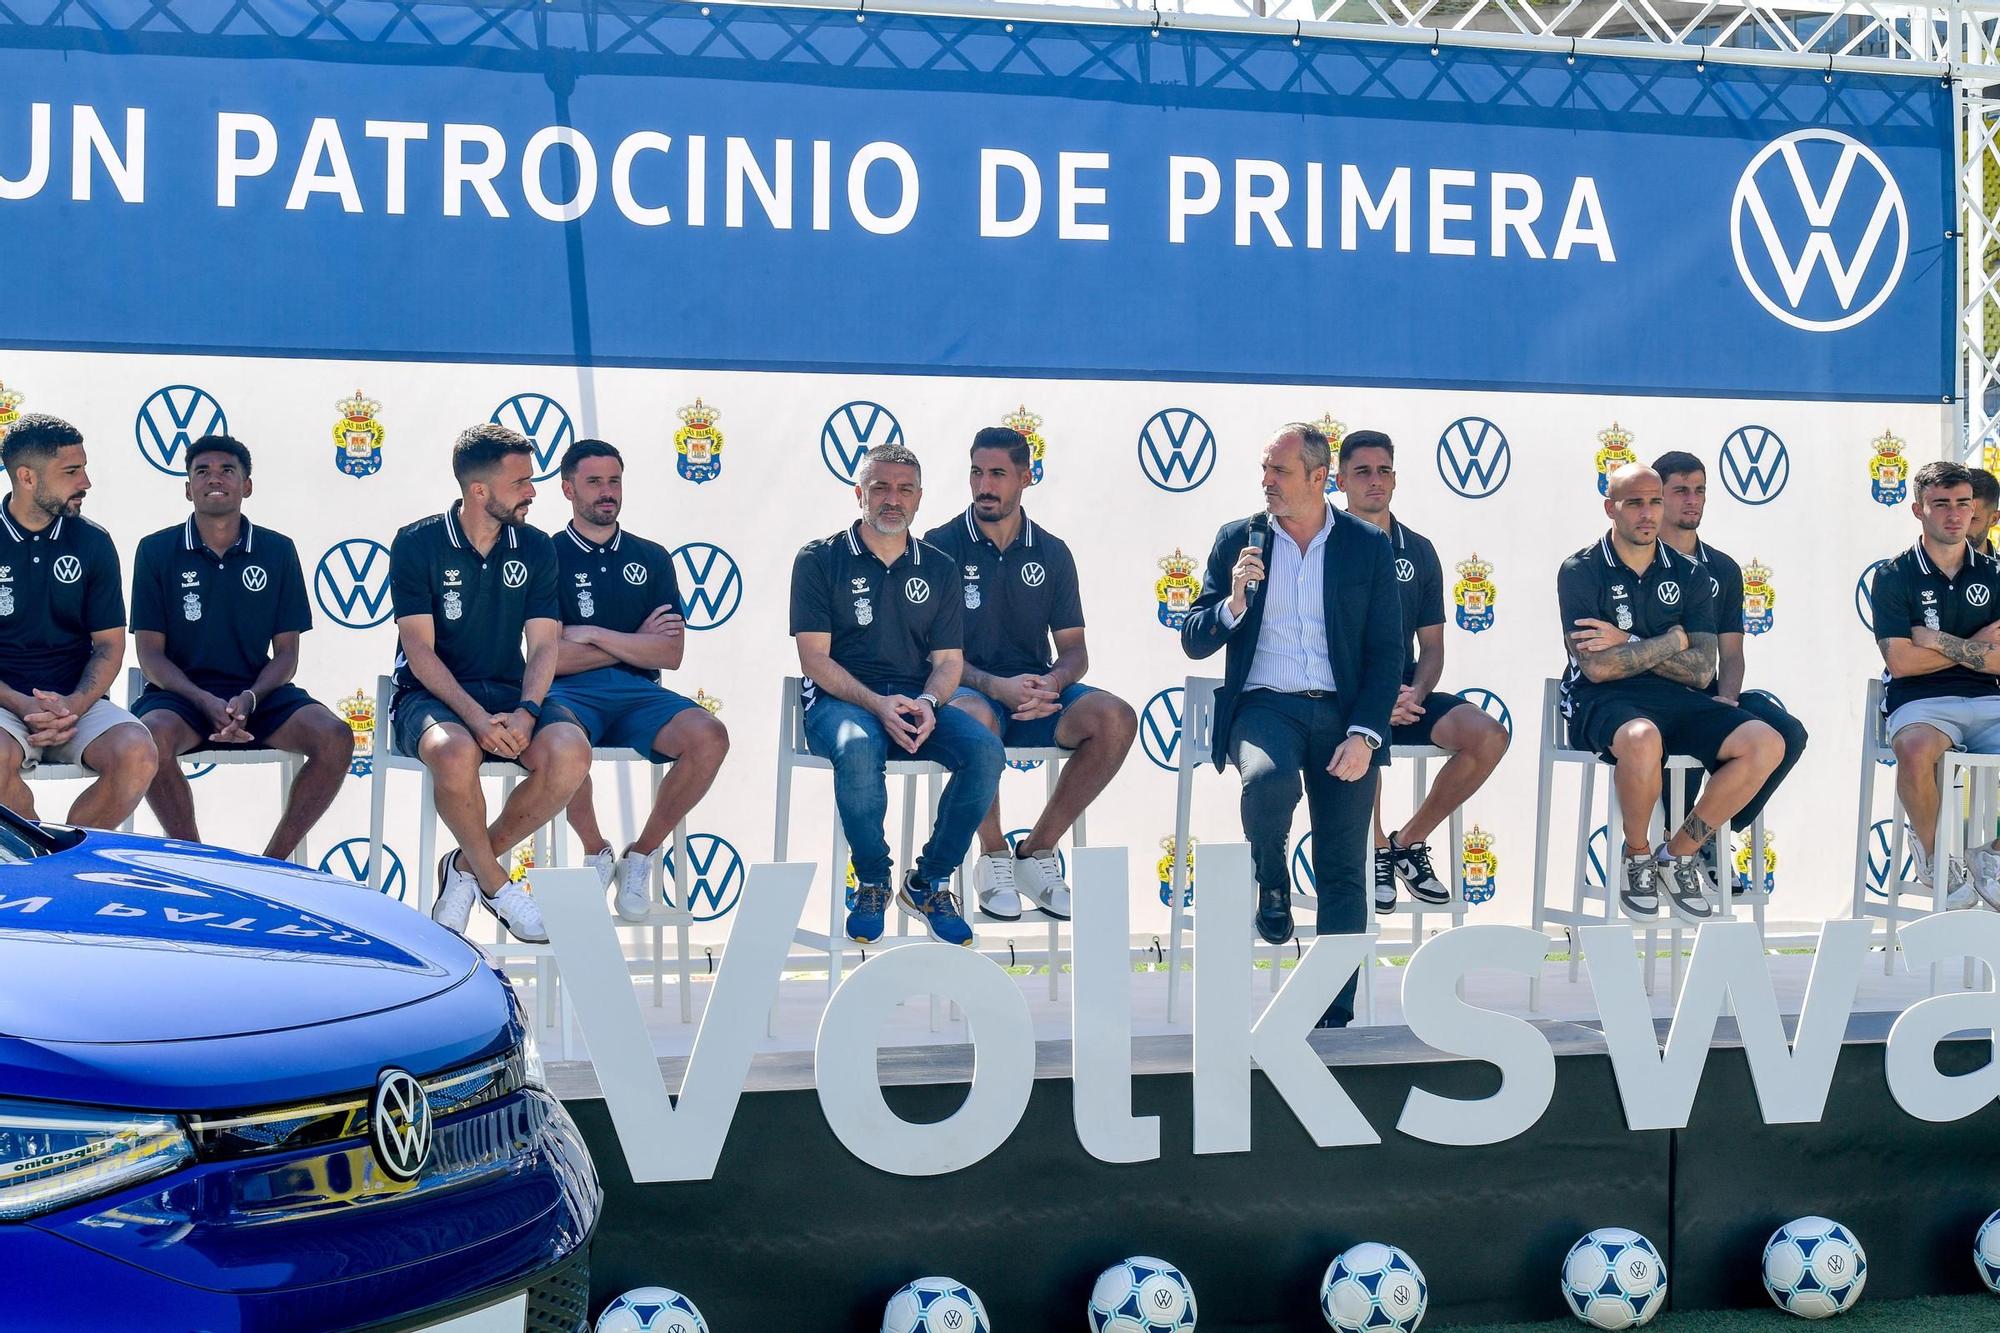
<point>1160,728</point>
<point>352,583</point>
<point>173,418</point>
<point>711,583</point>
<point>1755,466</point>
<point>851,430</point>
<point>715,876</point>
<point>546,424</point>
<point>349,860</point>
<point>1864,591</point>
<point>1176,449</point>
<point>1474,458</point>
<point>1819,230</point>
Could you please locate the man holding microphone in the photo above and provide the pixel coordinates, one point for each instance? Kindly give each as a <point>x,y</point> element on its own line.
<point>1314,643</point>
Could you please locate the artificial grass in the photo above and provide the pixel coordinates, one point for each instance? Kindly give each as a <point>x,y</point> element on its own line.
<point>1924,1314</point>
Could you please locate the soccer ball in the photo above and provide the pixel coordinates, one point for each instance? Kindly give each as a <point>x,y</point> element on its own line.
<point>1814,1268</point>
<point>935,1305</point>
<point>1986,1253</point>
<point>1371,1286</point>
<point>651,1310</point>
<point>1613,1278</point>
<point>1141,1295</point>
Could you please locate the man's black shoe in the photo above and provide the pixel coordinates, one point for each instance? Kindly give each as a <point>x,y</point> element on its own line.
<point>1274,914</point>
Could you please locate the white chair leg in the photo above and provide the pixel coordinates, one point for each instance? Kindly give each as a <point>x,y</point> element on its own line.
<point>378,795</point>
<point>427,885</point>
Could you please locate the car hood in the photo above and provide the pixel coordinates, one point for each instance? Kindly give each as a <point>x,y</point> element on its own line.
<point>127,939</point>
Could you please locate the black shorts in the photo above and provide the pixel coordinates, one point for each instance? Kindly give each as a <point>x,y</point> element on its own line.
<point>1436,705</point>
<point>1690,723</point>
<point>418,710</point>
<point>272,713</point>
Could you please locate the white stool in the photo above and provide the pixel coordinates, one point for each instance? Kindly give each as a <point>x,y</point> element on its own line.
<point>288,763</point>
<point>1554,750</point>
<point>1966,796</point>
<point>663,915</point>
<point>1197,747</point>
<point>794,754</point>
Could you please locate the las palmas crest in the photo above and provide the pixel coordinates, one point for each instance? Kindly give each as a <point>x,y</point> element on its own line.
<point>1758,597</point>
<point>1743,853</point>
<point>1614,450</point>
<point>10,408</point>
<point>357,436</point>
<point>1335,432</point>
<point>1474,594</point>
<point>1176,589</point>
<point>707,702</point>
<point>1029,425</point>
<point>359,712</point>
<point>1888,470</point>
<point>698,444</point>
<point>1166,872</point>
<point>1479,867</point>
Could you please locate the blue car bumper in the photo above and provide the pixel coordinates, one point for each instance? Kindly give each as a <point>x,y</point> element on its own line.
<point>318,1239</point>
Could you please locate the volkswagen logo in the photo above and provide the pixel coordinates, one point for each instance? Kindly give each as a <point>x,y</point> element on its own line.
<point>399,1125</point>
<point>1978,594</point>
<point>546,424</point>
<point>1755,466</point>
<point>1669,593</point>
<point>1406,570</point>
<point>514,573</point>
<point>635,574</point>
<point>68,569</point>
<point>1160,728</point>
<point>173,418</point>
<point>1474,458</point>
<point>1864,594</point>
<point>1176,449</point>
<point>255,578</point>
<point>851,430</point>
<point>351,583</point>
<point>1816,201</point>
<point>917,591</point>
<point>710,582</point>
<point>1032,574</point>
<point>715,875</point>
<point>1490,704</point>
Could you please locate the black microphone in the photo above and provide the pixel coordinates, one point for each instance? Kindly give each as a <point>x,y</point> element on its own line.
<point>1257,545</point>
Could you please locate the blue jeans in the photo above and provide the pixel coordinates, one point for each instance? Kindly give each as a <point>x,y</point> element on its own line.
<point>851,737</point>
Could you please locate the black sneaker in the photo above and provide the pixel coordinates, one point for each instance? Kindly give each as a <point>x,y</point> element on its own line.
<point>1687,885</point>
<point>1385,881</point>
<point>1413,867</point>
<point>1639,893</point>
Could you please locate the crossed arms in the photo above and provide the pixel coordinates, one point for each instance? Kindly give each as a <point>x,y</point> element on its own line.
<point>1605,652</point>
<point>1927,650</point>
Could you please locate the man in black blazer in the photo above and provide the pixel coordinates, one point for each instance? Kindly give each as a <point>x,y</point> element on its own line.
<point>1315,640</point>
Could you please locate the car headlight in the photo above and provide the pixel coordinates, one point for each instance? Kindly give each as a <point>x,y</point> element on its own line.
<point>534,1073</point>
<point>53,1156</point>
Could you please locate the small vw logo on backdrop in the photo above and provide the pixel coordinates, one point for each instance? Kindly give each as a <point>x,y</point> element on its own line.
<point>399,1125</point>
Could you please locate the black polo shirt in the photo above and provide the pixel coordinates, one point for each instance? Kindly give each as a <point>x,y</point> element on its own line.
<point>478,604</point>
<point>58,587</point>
<point>1594,584</point>
<point>1420,583</point>
<point>616,585</point>
<point>1725,586</point>
<point>1909,591</point>
<point>1014,599</point>
<point>886,620</point>
<point>219,613</point>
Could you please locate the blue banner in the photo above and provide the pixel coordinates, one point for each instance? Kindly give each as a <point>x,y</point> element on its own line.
<point>781,189</point>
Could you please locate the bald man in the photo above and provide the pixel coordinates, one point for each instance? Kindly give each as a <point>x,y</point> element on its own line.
<point>1639,630</point>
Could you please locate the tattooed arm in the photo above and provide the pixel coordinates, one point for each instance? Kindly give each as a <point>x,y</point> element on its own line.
<point>1605,652</point>
<point>1694,665</point>
<point>1974,654</point>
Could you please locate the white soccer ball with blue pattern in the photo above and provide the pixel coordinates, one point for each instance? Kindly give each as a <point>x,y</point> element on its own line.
<point>1141,1295</point>
<point>936,1305</point>
<point>1814,1268</point>
<point>1614,1278</point>
<point>651,1310</point>
<point>1373,1286</point>
<point>1986,1253</point>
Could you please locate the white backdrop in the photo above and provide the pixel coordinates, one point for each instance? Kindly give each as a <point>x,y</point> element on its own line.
<point>1818,534</point>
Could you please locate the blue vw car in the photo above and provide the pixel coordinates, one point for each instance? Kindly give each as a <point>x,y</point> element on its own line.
<point>238,1095</point>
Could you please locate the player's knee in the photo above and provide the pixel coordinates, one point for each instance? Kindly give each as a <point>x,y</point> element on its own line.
<point>330,739</point>
<point>1490,739</point>
<point>1638,740</point>
<point>1120,724</point>
<point>451,755</point>
<point>978,710</point>
<point>1919,745</point>
<point>707,743</point>
<point>129,754</point>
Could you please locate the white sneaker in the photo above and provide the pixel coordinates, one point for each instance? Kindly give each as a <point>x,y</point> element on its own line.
<point>999,895</point>
<point>519,912</point>
<point>605,863</point>
<point>1957,877</point>
<point>1986,876</point>
<point>634,900</point>
<point>1043,878</point>
<point>456,891</point>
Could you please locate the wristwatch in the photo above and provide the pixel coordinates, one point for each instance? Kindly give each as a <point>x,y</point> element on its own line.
<point>531,708</point>
<point>930,699</point>
<point>1370,741</point>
